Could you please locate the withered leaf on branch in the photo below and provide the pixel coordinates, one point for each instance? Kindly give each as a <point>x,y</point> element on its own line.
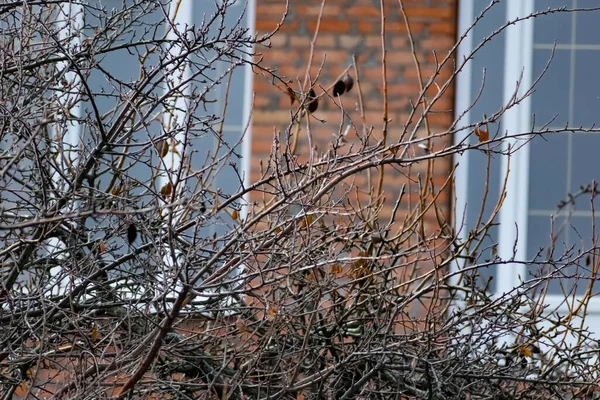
<point>482,134</point>
<point>312,101</point>
<point>337,269</point>
<point>167,189</point>
<point>525,351</point>
<point>131,233</point>
<point>116,190</point>
<point>94,334</point>
<point>306,221</point>
<point>163,147</point>
<point>348,82</point>
<point>241,326</point>
<point>292,95</point>
<point>339,88</point>
<point>271,312</point>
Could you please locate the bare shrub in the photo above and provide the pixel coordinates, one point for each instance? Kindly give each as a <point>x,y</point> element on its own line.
<point>138,259</point>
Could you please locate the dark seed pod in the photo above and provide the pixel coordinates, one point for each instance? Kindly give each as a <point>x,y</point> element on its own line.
<point>339,88</point>
<point>313,101</point>
<point>131,233</point>
<point>349,82</point>
<point>202,207</point>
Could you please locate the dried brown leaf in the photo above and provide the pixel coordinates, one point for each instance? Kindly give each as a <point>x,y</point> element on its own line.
<point>306,221</point>
<point>94,334</point>
<point>241,326</point>
<point>482,134</point>
<point>337,269</point>
<point>292,95</point>
<point>167,189</point>
<point>116,190</point>
<point>271,311</point>
<point>163,147</point>
<point>525,351</point>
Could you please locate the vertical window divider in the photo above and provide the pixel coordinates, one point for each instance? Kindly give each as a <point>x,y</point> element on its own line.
<point>180,15</point>
<point>513,216</point>
<point>167,280</point>
<point>462,103</point>
<point>247,111</point>
<point>67,133</point>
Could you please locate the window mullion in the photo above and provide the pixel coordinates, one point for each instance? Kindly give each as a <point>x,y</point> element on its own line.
<point>516,120</point>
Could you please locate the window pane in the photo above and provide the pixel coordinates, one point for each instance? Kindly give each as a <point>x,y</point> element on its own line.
<point>585,166</point>
<point>487,75</point>
<point>586,99</point>
<point>555,26</point>
<point>547,172</point>
<point>587,28</point>
<point>546,243</point>
<point>563,163</point>
<point>551,242</point>
<point>550,101</point>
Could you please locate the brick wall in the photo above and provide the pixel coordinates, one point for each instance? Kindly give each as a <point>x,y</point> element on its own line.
<point>347,28</point>
<point>353,27</point>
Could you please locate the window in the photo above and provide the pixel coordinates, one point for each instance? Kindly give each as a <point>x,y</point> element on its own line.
<point>546,170</point>
<point>214,81</point>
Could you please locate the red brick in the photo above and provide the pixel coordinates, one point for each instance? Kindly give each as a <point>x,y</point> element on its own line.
<point>263,9</point>
<point>366,26</point>
<point>428,12</point>
<point>445,28</point>
<point>329,25</point>
<point>364,11</point>
<point>347,26</point>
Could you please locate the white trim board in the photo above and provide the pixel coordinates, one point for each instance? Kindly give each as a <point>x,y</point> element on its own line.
<point>513,215</point>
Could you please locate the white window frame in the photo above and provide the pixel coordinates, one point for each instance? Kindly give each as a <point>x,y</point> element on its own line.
<point>183,19</point>
<point>513,216</point>
<point>518,67</point>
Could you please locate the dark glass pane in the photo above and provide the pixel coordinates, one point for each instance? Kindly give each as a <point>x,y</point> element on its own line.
<point>586,162</point>
<point>550,101</point>
<point>546,243</point>
<point>488,63</point>
<point>552,27</point>
<point>560,248</point>
<point>586,101</point>
<point>581,236</point>
<point>587,27</point>
<point>547,171</point>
